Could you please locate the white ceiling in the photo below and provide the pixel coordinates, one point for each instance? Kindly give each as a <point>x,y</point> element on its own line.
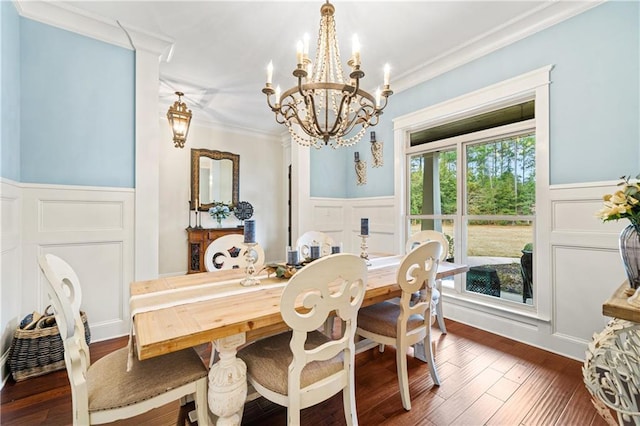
<point>221,48</point>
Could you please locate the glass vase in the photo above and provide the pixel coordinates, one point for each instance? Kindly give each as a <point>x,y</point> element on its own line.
<point>219,221</point>
<point>630,253</point>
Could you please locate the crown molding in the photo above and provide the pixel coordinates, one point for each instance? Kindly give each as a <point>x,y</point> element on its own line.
<point>545,16</point>
<point>230,128</point>
<point>87,24</point>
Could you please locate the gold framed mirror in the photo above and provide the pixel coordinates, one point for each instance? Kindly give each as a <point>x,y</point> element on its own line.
<point>215,176</point>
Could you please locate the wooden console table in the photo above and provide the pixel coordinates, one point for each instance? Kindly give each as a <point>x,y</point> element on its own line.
<point>199,240</point>
<point>618,307</point>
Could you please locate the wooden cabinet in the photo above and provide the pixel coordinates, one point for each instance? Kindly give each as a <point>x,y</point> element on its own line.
<point>199,240</point>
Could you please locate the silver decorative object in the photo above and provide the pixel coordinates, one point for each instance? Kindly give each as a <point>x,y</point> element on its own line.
<point>611,371</point>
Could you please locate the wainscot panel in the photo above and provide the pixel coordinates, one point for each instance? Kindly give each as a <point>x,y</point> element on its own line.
<point>92,229</point>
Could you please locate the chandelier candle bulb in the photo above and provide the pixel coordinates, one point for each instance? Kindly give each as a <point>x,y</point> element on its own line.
<point>305,48</point>
<point>355,49</point>
<point>278,95</point>
<point>364,226</point>
<point>378,95</point>
<point>299,53</point>
<point>387,73</point>
<point>269,73</point>
<point>249,231</point>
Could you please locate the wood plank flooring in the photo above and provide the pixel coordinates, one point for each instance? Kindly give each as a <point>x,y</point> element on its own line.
<point>485,380</point>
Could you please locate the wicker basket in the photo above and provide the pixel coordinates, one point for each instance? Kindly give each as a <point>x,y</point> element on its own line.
<point>40,350</point>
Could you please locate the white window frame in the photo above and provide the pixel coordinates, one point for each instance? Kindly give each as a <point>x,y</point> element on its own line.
<point>533,85</point>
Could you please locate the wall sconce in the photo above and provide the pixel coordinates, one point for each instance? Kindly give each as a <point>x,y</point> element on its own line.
<point>376,151</point>
<point>361,169</point>
<point>179,119</point>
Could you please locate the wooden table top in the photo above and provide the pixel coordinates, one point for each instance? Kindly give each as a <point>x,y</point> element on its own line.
<point>255,312</point>
<point>618,307</point>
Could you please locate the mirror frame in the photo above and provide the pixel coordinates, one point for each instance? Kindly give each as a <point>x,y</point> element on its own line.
<point>196,154</point>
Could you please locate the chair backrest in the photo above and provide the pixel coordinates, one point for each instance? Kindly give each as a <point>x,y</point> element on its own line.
<point>65,294</point>
<point>228,252</point>
<point>310,238</point>
<point>428,235</point>
<point>417,272</point>
<point>332,283</point>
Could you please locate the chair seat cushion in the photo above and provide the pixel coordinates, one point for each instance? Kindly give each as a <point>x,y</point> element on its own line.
<point>110,386</point>
<point>268,362</point>
<point>382,318</point>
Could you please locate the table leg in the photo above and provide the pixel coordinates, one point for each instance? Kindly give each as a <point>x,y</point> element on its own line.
<point>228,382</point>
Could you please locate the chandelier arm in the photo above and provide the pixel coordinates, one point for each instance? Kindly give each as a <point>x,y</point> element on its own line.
<point>292,114</point>
<point>311,109</point>
<point>383,106</point>
<point>272,106</point>
<point>357,119</point>
<point>346,100</point>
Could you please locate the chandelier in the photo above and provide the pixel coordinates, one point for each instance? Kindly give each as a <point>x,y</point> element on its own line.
<point>326,106</point>
<point>179,118</point>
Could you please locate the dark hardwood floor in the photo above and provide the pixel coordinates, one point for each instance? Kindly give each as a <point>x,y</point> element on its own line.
<point>486,379</point>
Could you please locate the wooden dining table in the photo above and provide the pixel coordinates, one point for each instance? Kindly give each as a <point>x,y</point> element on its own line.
<point>179,312</point>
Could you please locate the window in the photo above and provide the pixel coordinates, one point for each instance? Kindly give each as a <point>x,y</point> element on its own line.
<point>476,169</point>
<point>497,215</point>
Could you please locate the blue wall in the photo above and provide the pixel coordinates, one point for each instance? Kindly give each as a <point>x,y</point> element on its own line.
<point>77,109</point>
<point>10,90</point>
<point>594,95</point>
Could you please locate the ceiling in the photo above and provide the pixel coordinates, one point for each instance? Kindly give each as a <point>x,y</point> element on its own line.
<point>221,49</point>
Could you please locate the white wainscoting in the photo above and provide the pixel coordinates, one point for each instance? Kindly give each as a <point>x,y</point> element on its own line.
<point>585,270</point>
<point>340,218</point>
<point>92,230</point>
<point>586,262</point>
<point>10,270</point>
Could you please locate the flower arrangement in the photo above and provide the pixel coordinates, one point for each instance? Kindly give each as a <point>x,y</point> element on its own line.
<point>220,211</point>
<point>624,203</point>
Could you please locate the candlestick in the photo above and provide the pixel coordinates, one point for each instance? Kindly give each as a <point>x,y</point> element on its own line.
<point>189,210</point>
<point>249,231</point>
<point>364,226</point>
<point>363,249</point>
<point>250,257</point>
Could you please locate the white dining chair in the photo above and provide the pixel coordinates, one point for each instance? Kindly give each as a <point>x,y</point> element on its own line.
<point>422,237</point>
<point>229,252</point>
<point>312,238</point>
<point>303,367</point>
<point>407,323</point>
<point>104,391</point>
